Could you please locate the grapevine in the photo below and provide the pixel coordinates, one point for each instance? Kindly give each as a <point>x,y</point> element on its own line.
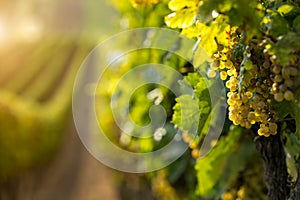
<point>254,77</point>
<point>257,60</point>
<point>254,50</point>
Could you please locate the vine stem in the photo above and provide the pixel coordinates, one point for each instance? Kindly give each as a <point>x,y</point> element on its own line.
<point>272,152</point>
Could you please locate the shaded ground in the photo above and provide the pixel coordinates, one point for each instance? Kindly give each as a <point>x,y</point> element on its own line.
<point>74,175</point>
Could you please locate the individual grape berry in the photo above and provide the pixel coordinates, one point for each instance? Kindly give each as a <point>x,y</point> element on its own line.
<point>276,69</point>
<point>293,71</point>
<point>248,125</point>
<point>222,65</point>
<point>288,95</point>
<point>278,78</point>
<point>273,128</point>
<point>235,96</point>
<point>251,118</point>
<point>186,137</point>
<point>249,94</point>
<point>232,117</point>
<point>279,97</point>
<point>288,83</point>
<point>215,65</point>
<point>282,88</point>
<point>285,72</point>
<point>194,144</point>
<point>228,64</point>
<point>264,130</point>
<point>211,73</point>
<point>195,153</point>
<point>245,99</point>
<point>223,75</point>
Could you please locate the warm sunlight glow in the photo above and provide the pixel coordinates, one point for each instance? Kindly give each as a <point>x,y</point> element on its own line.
<point>29,29</point>
<point>3,33</point>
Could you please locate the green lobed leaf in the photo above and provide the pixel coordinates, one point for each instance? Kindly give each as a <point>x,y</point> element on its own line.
<point>285,9</point>
<point>181,18</point>
<point>202,93</point>
<point>223,163</point>
<point>296,24</point>
<point>296,112</point>
<point>285,108</point>
<point>196,108</point>
<point>277,25</point>
<point>286,45</point>
<point>186,113</point>
<point>176,5</point>
<point>217,29</point>
<point>239,13</point>
<point>292,149</point>
<point>206,9</point>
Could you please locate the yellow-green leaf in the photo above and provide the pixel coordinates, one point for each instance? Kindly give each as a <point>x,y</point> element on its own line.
<point>181,19</point>
<point>176,5</point>
<point>285,9</point>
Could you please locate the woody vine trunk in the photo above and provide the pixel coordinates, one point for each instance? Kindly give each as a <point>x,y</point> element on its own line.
<point>272,152</point>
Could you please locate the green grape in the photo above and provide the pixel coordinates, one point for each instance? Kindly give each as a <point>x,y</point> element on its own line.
<point>276,69</point>
<point>223,75</point>
<point>288,95</point>
<point>285,72</point>
<point>293,71</point>
<point>273,128</point>
<point>288,83</point>
<point>194,144</point>
<point>282,88</point>
<point>251,118</point>
<point>278,78</point>
<point>279,97</point>
<point>215,65</point>
<point>211,73</point>
<point>195,153</point>
<point>254,84</point>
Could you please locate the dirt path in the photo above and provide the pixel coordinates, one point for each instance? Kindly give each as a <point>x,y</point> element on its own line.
<point>73,175</point>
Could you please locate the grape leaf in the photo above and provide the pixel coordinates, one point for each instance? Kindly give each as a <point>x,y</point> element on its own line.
<point>296,24</point>
<point>242,12</point>
<point>205,10</point>
<point>296,112</point>
<point>195,107</point>
<point>277,25</point>
<point>292,149</point>
<point>186,113</point>
<point>181,19</point>
<point>176,5</point>
<point>284,48</point>
<point>285,9</point>
<point>283,109</point>
<point>208,33</point>
<point>223,163</point>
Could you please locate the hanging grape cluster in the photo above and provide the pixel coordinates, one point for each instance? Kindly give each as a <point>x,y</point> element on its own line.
<point>254,81</point>
<point>285,81</point>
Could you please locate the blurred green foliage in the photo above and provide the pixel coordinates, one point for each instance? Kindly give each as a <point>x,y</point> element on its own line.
<point>35,99</point>
<point>232,170</point>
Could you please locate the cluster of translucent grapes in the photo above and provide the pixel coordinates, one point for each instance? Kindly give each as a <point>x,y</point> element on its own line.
<point>234,195</point>
<point>285,80</point>
<point>194,144</point>
<point>254,81</point>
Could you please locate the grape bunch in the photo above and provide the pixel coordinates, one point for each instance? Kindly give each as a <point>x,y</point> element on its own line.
<point>284,82</point>
<point>254,81</point>
<point>194,144</point>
